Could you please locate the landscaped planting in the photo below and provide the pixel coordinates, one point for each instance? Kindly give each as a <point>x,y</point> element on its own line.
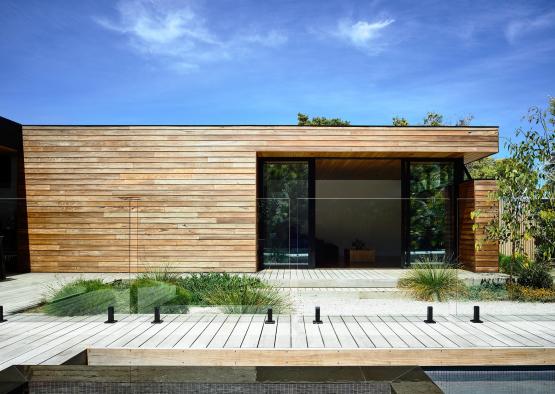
<point>432,282</point>
<point>439,282</point>
<point>172,292</point>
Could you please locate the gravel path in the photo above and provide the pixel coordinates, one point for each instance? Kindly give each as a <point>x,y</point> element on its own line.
<point>389,302</point>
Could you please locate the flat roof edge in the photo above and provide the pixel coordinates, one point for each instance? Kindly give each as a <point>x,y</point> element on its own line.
<point>256,125</point>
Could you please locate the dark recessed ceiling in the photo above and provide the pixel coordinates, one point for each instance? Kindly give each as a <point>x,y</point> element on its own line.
<point>351,169</point>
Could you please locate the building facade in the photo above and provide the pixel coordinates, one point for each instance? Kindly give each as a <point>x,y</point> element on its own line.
<point>244,198</point>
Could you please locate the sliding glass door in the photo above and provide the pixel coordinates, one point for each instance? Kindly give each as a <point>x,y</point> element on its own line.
<point>431,222</point>
<point>319,212</point>
<point>283,212</point>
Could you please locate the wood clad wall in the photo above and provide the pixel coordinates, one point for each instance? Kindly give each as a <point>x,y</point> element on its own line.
<point>475,196</point>
<point>130,197</point>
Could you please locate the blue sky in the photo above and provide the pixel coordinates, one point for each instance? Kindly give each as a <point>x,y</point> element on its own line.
<point>261,62</point>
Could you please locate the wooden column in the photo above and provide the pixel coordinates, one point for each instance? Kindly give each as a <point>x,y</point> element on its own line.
<point>475,196</point>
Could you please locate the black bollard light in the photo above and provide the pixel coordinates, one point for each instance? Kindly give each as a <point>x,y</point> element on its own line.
<point>157,319</point>
<point>2,320</point>
<point>317,319</point>
<point>110,316</point>
<point>476,318</point>
<point>269,318</point>
<point>430,317</point>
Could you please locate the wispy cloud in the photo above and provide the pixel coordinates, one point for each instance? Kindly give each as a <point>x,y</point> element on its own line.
<point>362,34</point>
<point>178,33</point>
<point>518,28</point>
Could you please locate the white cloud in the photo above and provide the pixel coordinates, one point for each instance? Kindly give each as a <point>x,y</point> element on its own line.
<point>518,28</point>
<point>271,39</point>
<point>177,33</point>
<point>363,34</point>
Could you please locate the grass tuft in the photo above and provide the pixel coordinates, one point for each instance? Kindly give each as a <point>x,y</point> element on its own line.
<point>432,282</point>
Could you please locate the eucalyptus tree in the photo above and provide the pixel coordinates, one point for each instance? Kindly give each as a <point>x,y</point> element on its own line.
<point>526,188</point>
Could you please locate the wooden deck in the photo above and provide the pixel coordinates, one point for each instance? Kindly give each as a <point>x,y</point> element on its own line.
<point>350,277</point>
<point>38,339</point>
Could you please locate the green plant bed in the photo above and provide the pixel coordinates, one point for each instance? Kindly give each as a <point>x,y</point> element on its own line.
<point>171,292</point>
<point>488,290</point>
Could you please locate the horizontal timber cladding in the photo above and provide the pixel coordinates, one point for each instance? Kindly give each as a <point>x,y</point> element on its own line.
<point>120,198</point>
<point>475,252</point>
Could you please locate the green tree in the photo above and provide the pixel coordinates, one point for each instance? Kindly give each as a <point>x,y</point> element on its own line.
<point>400,121</point>
<point>526,187</point>
<point>433,119</point>
<point>304,120</point>
<point>486,168</point>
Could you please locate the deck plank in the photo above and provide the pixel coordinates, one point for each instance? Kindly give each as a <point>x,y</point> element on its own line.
<point>268,334</point>
<point>195,332</point>
<point>378,340</point>
<point>283,331</point>
<point>313,335</point>
<point>298,333</point>
<point>167,329</point>
<point>239,331</point>
<point>223,334</point>
<point>208,334</point>
<point>344,336</point>
<point>180,331</point>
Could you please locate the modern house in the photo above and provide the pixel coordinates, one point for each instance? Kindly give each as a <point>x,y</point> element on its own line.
<point>242,198</point>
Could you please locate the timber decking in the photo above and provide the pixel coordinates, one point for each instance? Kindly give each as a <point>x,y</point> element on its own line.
<point>219,339</point>
<point>196,187</point>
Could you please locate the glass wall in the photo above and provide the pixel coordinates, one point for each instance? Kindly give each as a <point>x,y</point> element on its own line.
<point>431,212</point>
<point>358,213</point>
<point>283,212</point>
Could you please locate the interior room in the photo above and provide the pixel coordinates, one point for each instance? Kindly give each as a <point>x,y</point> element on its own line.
<point>358,213</point>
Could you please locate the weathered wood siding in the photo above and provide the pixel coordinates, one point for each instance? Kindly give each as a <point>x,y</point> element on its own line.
<point>475,196</point>
<point>195,187</point>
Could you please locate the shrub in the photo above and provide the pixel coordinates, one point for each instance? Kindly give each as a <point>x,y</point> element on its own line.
<point>160,274</point>
<point>531,294</point>
<point>145,294</point>
<point>202,285</point>
<point>81,297</point>
<point>247,299</point>
<point>170,291</point>
<point>505,263</point>
<point>488,290</point>
<point>432,282</point>
<point>536,275</point>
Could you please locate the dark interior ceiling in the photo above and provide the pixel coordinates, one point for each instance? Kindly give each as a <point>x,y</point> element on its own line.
<point>351,169</point>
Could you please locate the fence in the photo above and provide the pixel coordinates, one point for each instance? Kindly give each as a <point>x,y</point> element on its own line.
<point>528,244</point>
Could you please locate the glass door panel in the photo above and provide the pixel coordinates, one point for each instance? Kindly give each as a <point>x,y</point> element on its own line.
<point>284,239</point>
<point>431,213</point>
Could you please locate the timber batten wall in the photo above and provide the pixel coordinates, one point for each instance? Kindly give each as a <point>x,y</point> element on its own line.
<point>475,252</point>
<point>120,198</point>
